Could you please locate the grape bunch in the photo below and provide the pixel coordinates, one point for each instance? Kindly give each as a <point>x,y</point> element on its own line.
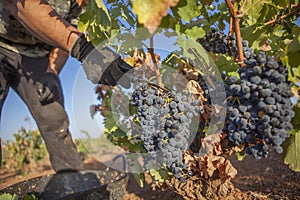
<point>165,119</point>
<point>259,105</point>
<point>260,109</point>
<point>217,42</point>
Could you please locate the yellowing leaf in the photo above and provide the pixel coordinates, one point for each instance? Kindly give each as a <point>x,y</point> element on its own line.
<point>100,4</point>
<point>292,157</point>
<point>151,12</point>
<point>234,73</point>
<point>240,155</point>
<point>159,175</point>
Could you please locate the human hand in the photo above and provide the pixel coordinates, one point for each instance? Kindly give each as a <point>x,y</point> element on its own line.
<point>101,66</point>
<point>48,88</point>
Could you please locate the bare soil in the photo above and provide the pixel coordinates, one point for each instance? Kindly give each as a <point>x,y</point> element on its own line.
<point>257,179</point>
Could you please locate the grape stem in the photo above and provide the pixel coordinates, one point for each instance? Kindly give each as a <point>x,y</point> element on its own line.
<point>230,33</point>
<point>151,51</point>
<point>271,22</point>
<point>240,11</point>
<point>237,31</point>
<point>155,85</point>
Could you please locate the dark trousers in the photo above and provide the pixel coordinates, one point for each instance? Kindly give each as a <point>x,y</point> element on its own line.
<point>21,74</point>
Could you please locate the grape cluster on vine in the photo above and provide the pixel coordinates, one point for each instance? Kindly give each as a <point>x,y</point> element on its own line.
<point>258,101</point>
<point>263,109</point>
<point>165,119</point>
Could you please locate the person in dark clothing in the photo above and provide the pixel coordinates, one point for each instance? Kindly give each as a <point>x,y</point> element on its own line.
<point>36,38</point>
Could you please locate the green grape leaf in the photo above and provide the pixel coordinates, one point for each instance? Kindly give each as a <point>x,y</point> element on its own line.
<point>294,49</point>
<point>214,18</point>
<point>295,120</point>
<point>253,9</point>
<point>110,124</point>
<point>100,4</point>
<point>159,175</point>
<point>30,197</point>
<point>126,15</point>
<point>151,12</point>
<point>95,21</point>
<point>290,59</point>
<point>234,73</point>
<point>223,7</point>
<point>189,11</point>
<point>221,24</point>
<point>206,2</point>
<point>116,11</point>
<point>294,74</point>
<point>272,11</point>
<point>130,144</point>
<point>84,21</point>
<point>280,3</point>
<point>119,133</point>
<point>188,45</point>
<point>225,62</point>
<point>263,13</point>
<point>135,168</point>
<point>240,155</point>
<point>7,196</point>
<point>140,178</point>
<point>168,22</point>
<point>292,155</point>
<point>253,33</point>
<point>195,32</point>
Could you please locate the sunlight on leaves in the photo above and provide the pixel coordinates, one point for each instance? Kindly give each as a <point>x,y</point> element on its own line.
<point>151,12</point>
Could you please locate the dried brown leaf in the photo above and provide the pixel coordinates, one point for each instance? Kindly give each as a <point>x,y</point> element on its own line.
<point>190,74</point>
<point>211,168</point>
<point>227,171</point>
<point>211,144</point>
<point>194,88</point>
<point>266,47</point>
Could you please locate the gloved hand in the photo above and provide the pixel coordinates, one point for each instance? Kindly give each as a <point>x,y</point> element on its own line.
<point>101,66</point>
<point>48,87</point>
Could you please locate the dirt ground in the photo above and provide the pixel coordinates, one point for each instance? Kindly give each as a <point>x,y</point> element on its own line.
<point>257,179</point>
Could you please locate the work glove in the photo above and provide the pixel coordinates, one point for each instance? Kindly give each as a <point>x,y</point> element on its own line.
<point>48,88</point>
<point>101,66</point>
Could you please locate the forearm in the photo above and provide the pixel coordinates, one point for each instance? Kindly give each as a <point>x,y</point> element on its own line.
<point>57,60</point>
<point>43,22</point>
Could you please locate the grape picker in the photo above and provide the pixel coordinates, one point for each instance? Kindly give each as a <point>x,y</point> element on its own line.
<point>36,37</point>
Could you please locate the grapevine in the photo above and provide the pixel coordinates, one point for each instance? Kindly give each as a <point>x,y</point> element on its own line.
<point>258,64</point>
